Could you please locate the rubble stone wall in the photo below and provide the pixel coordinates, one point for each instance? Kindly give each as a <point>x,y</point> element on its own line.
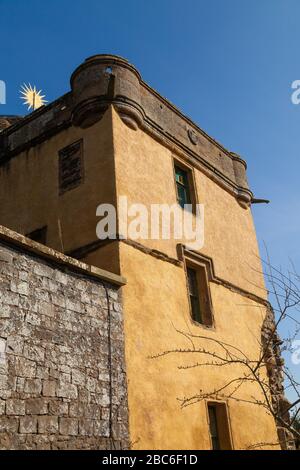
<point>62,372</point>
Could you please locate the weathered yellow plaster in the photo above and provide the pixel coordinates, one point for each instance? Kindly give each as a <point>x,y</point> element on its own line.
<point>120,161</point>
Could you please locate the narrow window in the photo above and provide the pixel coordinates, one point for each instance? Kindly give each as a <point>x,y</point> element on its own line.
<point>200,303</point>
<point>70,167</point>
<point>219,426</point>
<point>213,427</point>
<point>182,186</point>
<point>39,235</point>
<point>194,295</point>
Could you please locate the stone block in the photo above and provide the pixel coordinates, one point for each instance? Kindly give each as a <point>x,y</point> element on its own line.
<point>10,298</point>
<point>28,425</point>
<point>67,390</point>
<point>15,344</point>
<point>2,407</point>
<point>24,367</point>
<point>34,352</point>
<point>9,424</point>
<point>76,409</point>
<point>101,428</point>
<point>2,351</point>
<point>21,288</point>
<point>5,311</point>
<point>47,424</point>
<point>33,386</point>
<point>6,257</point>
<point>49,388</point>
<point>36,406</point>
<point>46,308</point>
<point>58,408</point>
<point>86,427</point>
<point>43,271</point>
<point>15,406</point>
<point>78,377</point>
<point>68,426</point>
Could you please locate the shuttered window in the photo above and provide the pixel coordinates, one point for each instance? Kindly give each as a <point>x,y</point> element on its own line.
<point>70,167</point>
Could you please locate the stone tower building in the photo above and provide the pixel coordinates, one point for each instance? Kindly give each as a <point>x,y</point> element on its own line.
<point>112,135</point>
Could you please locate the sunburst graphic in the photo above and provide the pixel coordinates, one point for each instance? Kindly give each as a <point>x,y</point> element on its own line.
<point>32,97</point>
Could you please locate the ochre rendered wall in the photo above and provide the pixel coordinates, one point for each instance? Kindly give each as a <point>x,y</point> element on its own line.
<point>156,305</point>
<point>29,191</point>
<point>144,173</point>
<point>119,161</point>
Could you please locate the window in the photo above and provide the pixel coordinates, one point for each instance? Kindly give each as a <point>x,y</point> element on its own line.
<point>39,235</point>
<point>182,186</point>
<point>213,427</point>
<point>198,289</point>
<point>219,426</point>
<point>199,274</point>
<point>194,295</point>
<point>70,167</point>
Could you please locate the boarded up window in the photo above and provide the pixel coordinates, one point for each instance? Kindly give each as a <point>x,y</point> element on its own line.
<point>70,167</point>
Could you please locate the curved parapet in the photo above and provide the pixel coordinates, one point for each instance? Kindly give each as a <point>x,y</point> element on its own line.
<point>240,167</point>
<point>102,80</point>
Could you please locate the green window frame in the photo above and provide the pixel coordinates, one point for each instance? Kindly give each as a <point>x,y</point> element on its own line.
<point>182,186</point>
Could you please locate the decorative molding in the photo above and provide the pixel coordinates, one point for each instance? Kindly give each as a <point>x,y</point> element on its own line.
<point>155,253</point>
<point>184,252</point>
<point>83,251</point>
<point>192,136</point>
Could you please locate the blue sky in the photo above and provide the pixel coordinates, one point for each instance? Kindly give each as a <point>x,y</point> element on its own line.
<point>228,65</point>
